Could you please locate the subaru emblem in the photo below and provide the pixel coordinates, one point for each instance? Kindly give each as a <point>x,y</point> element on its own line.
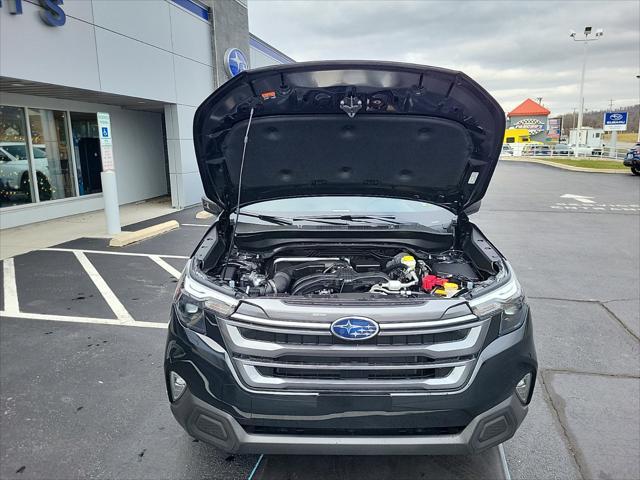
<point>354,328</point>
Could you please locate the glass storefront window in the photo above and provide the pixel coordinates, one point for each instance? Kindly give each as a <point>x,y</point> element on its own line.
<point>51,155</point>
<point>54,150</point>
<point>86,144</point>
<point>15,175</point>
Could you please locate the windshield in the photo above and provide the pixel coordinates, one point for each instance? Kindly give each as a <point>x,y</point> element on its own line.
<point>349,210</point>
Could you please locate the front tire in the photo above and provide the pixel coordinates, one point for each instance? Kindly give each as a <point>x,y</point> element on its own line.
<point>635,170</point>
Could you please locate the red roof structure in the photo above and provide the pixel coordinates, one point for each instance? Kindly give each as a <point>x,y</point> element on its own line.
<point>528,108</point>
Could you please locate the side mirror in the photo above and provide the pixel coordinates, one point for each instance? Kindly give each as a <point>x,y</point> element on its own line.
<point>211,206</point>
<point>474,208</point>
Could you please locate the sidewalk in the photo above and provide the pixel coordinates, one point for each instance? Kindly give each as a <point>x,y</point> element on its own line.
<point>18,240</point>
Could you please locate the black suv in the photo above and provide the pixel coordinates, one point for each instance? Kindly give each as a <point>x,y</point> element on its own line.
<point>342,302</point>
<point>632,159</point>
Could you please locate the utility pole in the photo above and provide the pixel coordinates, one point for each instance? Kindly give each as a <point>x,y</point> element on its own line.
<point>614,136</point>
<point>585,41</point>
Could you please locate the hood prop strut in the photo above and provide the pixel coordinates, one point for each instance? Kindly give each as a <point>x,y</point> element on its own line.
<point>237,210</point>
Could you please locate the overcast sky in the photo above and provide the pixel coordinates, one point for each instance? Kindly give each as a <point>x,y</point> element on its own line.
<point>515,49</point>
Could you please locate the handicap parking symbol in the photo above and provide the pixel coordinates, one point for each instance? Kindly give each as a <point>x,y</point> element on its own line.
<point>105,131</point>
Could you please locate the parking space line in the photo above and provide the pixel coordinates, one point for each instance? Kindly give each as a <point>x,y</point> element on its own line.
<point>503,461</point>
<point>71,319</point>
<point>11,304</point>
<point>255,467</point>
<point>103,252</point>
<point>165,265</point>
<point>116,306</point>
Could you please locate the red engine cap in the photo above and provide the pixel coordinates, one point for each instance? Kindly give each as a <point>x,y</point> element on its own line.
<point>430,281</point>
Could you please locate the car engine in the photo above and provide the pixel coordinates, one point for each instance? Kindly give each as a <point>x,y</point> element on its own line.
<point>401,273</point>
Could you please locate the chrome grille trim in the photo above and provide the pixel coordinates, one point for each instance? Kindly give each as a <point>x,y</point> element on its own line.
<point>346,366</point>
<point>444,363</point>
<point>454,379</point>
<point>323,327</point>
<point>327,332</point>
<point>467,346</point>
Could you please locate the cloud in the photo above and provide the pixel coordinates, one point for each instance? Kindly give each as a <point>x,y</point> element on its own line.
<point>515,49</point>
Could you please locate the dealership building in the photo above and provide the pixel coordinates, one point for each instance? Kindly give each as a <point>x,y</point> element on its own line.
<point>148,64</point>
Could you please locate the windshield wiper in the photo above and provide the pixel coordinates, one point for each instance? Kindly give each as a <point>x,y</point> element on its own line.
<point>354,218</point>
<point>267,218</point>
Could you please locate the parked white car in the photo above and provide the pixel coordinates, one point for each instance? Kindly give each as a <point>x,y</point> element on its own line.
<point>586,150</point>
<point>14,169</point>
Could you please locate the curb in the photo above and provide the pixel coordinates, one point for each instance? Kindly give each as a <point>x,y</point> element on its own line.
<point>203,215</point>
<point>127,238</point>
<point>567,167</point>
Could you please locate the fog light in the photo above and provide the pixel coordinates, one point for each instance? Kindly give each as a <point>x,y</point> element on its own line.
<point>523,387</point>
<point>177,384</point>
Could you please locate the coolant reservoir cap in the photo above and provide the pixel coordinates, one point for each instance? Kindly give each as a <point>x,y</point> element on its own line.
<point>408,261</point>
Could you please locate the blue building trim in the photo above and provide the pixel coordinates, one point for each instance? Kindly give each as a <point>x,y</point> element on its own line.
<point>268,50</point>
<point>194,7</point>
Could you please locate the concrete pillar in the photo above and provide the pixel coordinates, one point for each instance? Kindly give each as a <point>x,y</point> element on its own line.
<point>184,177</point>
<point>230,30</point>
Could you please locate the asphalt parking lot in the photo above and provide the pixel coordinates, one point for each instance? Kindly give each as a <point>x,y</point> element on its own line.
<point>82,337</point>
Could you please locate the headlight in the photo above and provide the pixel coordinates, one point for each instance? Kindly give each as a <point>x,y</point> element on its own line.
<point>192,299</point>
<point>507,301</point>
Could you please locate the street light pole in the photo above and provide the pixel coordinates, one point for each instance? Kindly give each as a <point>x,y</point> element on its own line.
<point>585,41</point>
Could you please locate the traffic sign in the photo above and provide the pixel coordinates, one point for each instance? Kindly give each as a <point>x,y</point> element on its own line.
<point>106,146</point>
<point>615,121</point>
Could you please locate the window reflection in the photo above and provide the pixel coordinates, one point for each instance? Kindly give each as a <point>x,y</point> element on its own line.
<point>15,177</point>
<point>51,156</point>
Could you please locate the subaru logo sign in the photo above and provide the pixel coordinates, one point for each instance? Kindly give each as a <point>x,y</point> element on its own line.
<point>354,328</point>
<point>616,116</point>
<point>235,61</point>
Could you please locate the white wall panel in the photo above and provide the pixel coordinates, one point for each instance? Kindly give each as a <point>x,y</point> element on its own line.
<point>144,20</point>
<point>194,81</point>
<point>259,59</point>
<point>14,217</point>
<point>191,36</point>
<point>193,191</point>
<point>133,68</point>
<point>189,164</point>
<point>185,120</point>
<point>32,50</point>
<point>80,9</point>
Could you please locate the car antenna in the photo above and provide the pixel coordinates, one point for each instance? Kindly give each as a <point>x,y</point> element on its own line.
<point>237,209</point>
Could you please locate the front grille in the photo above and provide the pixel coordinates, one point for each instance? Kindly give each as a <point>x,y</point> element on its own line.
<point>352,432</point>
<point>340,374</point>
<point>302,355</point>
<point>295,339</point>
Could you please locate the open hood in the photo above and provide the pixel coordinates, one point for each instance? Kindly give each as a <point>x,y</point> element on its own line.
<point>349,128</point>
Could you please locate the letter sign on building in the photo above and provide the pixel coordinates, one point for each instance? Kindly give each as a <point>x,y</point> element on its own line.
<point>52,14</point>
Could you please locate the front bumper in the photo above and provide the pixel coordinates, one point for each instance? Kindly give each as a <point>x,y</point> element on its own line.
<point>216,427</point>
<point>219,409</point>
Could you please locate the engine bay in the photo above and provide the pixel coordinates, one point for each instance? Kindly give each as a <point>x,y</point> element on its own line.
<point>340,270</point>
